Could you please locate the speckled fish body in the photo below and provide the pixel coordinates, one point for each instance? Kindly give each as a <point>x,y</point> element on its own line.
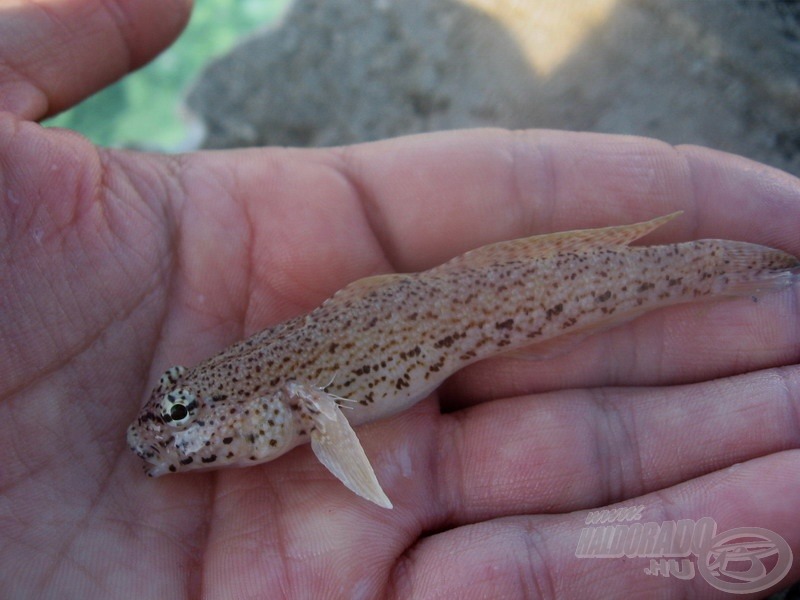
<point>383,343</point>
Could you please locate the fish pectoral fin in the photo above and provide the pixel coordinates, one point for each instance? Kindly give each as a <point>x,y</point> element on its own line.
<point>335,443</point>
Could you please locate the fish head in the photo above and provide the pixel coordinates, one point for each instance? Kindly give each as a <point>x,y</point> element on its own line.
<point>186,426</point>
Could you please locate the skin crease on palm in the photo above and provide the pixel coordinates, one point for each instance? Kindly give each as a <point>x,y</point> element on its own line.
<point>116,265</point>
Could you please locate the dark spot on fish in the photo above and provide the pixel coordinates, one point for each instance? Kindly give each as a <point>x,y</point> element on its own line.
<point>507,324</point>
<point>552,312</point>
<point>535,333</point>
<point>445,342</point>
<point>210,459</point>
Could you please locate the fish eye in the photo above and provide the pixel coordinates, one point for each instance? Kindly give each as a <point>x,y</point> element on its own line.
<point>178,412</point>
<point>178,408</point>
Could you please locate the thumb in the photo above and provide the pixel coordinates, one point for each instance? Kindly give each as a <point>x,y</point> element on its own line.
<point>55,53</point>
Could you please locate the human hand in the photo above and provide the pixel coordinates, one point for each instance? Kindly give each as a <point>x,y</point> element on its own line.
<point>116,265</point>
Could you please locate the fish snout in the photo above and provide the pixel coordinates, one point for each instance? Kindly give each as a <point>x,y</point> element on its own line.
<point>154,465</point>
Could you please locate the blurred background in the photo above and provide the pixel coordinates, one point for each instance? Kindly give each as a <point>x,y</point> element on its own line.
<point>723,74</point>
<point>144,110</point>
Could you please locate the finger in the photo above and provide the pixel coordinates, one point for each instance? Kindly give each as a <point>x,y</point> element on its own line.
<point>743,200</point>
<point>536,556</point>
<point>579,449</point>
<point>432,197</point>
<point>54,53</point>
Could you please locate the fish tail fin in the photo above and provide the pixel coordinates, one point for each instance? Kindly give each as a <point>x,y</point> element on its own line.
<point>751,269</point>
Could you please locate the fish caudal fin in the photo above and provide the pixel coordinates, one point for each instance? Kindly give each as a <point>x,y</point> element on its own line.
<point>751,269</point>
<point>335,443</point>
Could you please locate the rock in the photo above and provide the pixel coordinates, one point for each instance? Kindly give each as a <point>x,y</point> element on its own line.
<point>724,75</point>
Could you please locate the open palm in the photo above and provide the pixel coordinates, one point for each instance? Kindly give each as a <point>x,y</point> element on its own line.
<point>116,265</point>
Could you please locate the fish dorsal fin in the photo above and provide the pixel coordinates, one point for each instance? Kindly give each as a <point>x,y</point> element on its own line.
<point>548,244</point>
<point>361,288</point>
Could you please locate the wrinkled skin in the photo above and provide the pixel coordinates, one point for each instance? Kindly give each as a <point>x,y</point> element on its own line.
<point>116,265</point>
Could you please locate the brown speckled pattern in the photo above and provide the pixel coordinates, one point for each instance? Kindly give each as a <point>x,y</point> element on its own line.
<point>385,342</point>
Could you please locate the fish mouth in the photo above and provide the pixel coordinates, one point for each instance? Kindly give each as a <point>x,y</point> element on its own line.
<point>152,469</point>
<point>154,466</point>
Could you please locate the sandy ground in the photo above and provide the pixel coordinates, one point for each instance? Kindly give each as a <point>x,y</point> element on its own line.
<point>719,73</point>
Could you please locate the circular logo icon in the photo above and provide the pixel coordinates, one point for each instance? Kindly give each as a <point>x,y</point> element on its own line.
<point>745,560</point>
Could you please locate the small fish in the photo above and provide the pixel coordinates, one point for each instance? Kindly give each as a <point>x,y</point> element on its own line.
<point>383,343</point>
